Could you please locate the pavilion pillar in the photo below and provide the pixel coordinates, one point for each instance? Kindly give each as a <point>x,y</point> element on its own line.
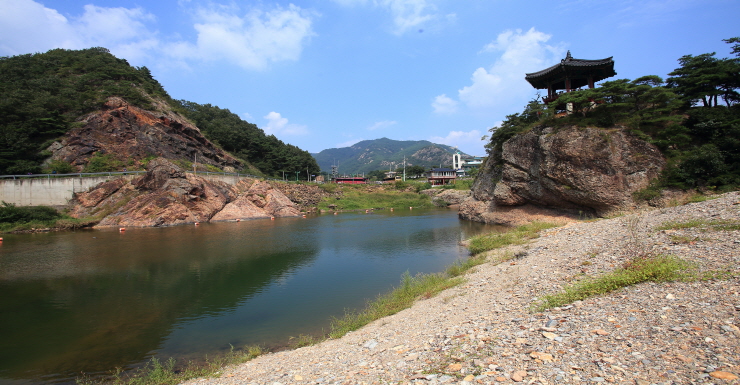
<point>590,81</point>
<point>567,84</point>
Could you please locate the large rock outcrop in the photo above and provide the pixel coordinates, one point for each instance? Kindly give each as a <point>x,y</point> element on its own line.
<point>582,171</point>
<point>130,134</point>
<point>166,196</point>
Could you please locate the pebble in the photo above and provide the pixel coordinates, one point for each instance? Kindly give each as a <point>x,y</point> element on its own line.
<point>483,332</point>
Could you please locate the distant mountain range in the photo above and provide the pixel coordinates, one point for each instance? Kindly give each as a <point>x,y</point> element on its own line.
<point>384,154</point>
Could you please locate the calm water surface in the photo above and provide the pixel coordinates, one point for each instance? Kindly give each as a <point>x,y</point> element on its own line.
<point>91,301</point>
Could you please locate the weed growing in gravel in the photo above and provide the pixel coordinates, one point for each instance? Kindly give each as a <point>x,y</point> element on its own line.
<point>302,340</point>
<point>658,268</point>
<point>412,288</point>
<point>680,239</point>
<point>459,268</point>
<point>518,236</point>
<point>717,224</point>
<point>165,373</point>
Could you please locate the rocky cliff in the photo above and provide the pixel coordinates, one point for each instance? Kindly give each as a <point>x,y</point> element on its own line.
<point>130,134</point>
<point>581,171</point>
<point>166,196</point>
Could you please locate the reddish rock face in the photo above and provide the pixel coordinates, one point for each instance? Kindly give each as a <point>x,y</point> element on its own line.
<point>168,196</point>
<point>261,200</point>
<point>587,170</point>
<point>129,133</point>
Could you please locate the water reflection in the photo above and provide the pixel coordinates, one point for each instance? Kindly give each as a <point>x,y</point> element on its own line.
<point>91,301</point>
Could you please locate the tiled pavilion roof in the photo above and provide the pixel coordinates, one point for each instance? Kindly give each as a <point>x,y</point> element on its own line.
<point>578,70</point>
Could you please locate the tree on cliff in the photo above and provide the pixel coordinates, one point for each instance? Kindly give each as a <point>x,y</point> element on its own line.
<point>702,144</point>
<point>707,78</point>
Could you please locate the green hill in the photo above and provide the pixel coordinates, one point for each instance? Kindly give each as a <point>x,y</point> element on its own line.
<point>384,154</point>
<point>46,94</point>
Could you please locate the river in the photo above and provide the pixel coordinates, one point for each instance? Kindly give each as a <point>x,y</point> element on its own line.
<point>95,300</point>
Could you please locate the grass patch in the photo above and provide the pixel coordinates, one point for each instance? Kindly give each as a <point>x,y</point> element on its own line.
<point>520,235</point>
<point>156,372</point>
<point>14,218</point>
<point>402,297</point>
<point>359,200</point>
<point>659,268</point>
<point>303,340</point>
<point>716,224</point>
<point>680,239</point>
<point>459,268</point>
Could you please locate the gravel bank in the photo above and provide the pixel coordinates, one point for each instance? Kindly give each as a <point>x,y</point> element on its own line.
<point>484,331</point>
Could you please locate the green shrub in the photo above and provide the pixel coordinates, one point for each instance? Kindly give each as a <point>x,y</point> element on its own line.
<point>10,213</point>
<point>102,162</point>
<point>60,167</point>
<point>420,186</point>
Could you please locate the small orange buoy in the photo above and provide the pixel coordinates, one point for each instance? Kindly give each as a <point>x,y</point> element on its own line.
<point>335,213</point>
<point>272,218</point>
<point>304,215</point>
<point>197,224</point>
<point>1,239</point>
<point>122,229</point>
<point>238,220</point>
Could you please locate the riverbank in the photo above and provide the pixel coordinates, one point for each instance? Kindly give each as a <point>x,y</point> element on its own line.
<point>484,331</point>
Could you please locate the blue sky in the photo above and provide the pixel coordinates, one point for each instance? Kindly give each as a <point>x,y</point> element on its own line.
<point>328,73</point>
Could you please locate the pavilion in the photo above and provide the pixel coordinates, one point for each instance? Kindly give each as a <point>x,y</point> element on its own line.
<point>571,74</point>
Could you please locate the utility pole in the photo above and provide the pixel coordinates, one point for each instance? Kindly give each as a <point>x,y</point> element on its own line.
<point>404,168</point>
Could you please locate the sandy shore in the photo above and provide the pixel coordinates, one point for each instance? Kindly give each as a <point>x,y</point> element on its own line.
<point>484,331</point>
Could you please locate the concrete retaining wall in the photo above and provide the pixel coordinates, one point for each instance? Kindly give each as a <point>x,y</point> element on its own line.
<point>59,190</point>
<point>48,192</point>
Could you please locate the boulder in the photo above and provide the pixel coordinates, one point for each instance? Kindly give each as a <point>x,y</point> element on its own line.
<point>166,196</point>
<point>579,171</point>
<point>260,200</point>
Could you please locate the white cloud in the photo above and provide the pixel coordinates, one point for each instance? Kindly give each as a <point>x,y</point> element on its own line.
<point>251,41</point>
<point>443,104</point>
<point>501,88</point>
<point>630,13</point>
<point>349,143</point>
<point>407,15</point>
<point>466,141</point>
<point>382,125</point>
<point>279,126</point>
<point>27,26</point>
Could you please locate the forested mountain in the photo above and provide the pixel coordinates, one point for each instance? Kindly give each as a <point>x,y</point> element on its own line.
<point>47,95</point>
<point>384,154</point>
